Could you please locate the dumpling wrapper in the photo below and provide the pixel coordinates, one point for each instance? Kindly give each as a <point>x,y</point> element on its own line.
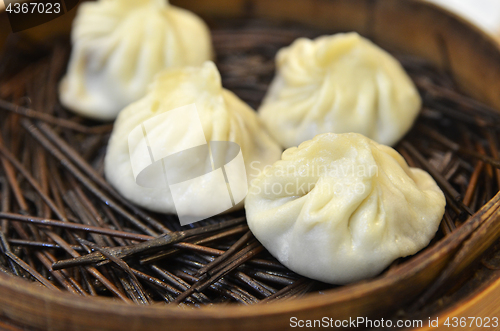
<point>223,117</point>
<point>118,48</point>
<point>341,207</point>
<point>340,83</point>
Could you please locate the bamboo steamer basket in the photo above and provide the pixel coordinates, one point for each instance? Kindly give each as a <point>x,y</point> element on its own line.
<point>411,27</point>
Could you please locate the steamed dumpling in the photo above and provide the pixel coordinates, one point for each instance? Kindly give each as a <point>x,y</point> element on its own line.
<point>340,83</point>
<point>223,117</point>
<point>340,208</point>
<point>118,48</point>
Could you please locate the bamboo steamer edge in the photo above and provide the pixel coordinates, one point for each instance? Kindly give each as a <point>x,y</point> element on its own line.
<point>410,26</point>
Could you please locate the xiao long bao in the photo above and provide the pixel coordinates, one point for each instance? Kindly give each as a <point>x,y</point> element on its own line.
<point>341,207</point>
<point>340,83</point>
<point>118,48</point>
<point>223,117</point>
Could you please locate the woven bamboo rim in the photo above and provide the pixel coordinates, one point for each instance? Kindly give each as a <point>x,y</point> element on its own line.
<point>474,60</point>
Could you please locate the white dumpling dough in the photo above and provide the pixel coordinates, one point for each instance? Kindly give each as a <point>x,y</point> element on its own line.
<point>118,48</point>
<point>341,207</point>
<point>223,116</point>
<point>340,83</point>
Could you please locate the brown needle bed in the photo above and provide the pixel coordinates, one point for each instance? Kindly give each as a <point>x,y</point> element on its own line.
<point>55,204</point>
